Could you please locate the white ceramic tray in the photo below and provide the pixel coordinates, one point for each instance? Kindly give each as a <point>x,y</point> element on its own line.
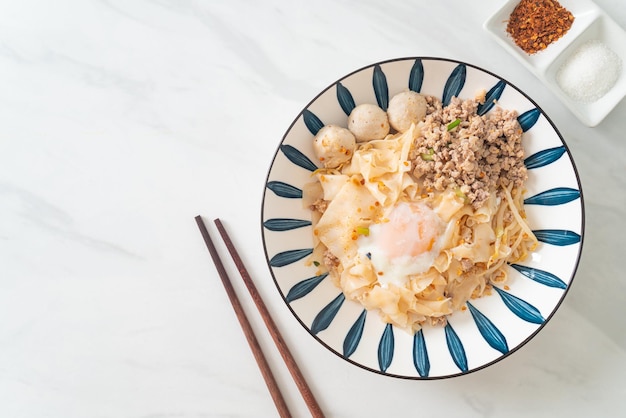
<point>590,23</point>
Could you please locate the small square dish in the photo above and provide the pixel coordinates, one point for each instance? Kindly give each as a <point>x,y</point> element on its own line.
<point>591,26</point>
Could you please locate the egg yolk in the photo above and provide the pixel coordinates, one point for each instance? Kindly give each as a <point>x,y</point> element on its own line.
<point>412,230</point>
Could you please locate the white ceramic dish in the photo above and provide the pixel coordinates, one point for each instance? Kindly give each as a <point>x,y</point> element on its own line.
<point>493,326</point>
<point>590,23</point>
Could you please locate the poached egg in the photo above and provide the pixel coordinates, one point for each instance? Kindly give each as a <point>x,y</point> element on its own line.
<point>404,244</point>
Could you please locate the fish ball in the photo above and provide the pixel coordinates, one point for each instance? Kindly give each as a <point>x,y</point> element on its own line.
<point>334,145</point>
<point>368,122</point>
<point>406,108</point>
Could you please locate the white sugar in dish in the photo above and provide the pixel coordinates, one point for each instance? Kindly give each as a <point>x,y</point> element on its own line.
<point>590,72</point>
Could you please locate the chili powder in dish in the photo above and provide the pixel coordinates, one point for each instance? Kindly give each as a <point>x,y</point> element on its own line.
<point>535,24</point>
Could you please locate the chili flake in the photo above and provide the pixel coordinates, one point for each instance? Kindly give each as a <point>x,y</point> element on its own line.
<point>535,24</point>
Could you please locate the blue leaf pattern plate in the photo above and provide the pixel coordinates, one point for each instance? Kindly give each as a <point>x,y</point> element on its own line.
<point>492,327</point>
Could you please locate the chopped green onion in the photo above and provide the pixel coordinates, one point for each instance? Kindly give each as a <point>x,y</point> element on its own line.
<point>429,155</point>
<point>362,230</point>
<point>454,124</point>
<point>460,194</point>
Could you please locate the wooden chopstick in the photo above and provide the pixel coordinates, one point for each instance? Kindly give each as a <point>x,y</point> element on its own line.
<point>283,349</point>
<point>270,381</point>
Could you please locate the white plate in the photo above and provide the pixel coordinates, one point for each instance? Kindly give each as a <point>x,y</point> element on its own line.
<point>492,327</point>
<point>590,23</point>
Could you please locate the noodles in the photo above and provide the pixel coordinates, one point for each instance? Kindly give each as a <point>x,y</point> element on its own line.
<point>414,246</point>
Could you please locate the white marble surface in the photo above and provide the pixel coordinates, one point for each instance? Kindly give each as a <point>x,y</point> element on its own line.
<point>122,120</point>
